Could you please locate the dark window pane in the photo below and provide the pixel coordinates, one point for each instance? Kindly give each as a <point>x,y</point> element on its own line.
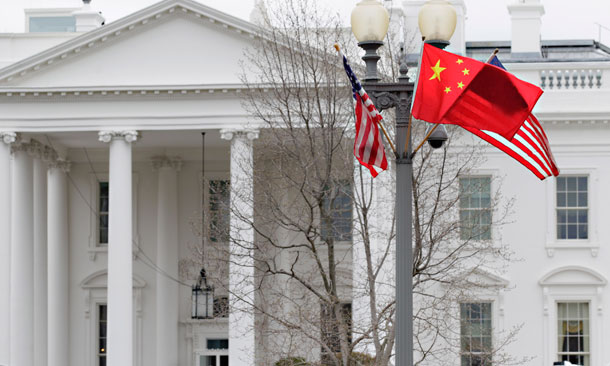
<point>572,199</point>
<point>561,199</point>
<point>572,231</point>
<point>582,184</point>
<point>582,199</point>
<point>103,236</point>
<point>572,215</point>
<point>218,344</point>
<point>210,361</point>
<point>52,24</point>
<point>583,232</point>
<point>561,184</point>
<point>562,232</point>
<point>220,215</point>
<point>224,360</point>
<point>337,221</point>
<point>571,184</point>
<point>562,216</point>
<point>102,345</point>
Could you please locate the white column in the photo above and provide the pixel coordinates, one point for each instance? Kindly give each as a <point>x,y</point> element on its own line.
<point>37,150</point>
<point>5,243</point>
<point>120,266</point>
<point>22,260</point>
<point>58,264</point>
<point>167,260</point>
<point>241,266</point>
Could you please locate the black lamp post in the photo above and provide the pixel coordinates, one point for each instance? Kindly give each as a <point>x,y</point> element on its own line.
<point>370,20</point>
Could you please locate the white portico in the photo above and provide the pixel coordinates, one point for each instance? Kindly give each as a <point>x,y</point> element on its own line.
<point>100,144</point>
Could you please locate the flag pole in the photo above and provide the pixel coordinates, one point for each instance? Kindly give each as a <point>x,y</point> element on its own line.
<point>421,55</point>
<point>425,139</point>
<point>387,137</point>
<point>493,54</point>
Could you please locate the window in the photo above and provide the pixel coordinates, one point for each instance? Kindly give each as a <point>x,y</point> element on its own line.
<point>103,213</point>
<point>52,24</point>
<point>475,334</point>
<point>572,207</point>
<point>338,205</point>
<point>475,208</point>
<point>101,339</point>
<point>220,200</point>
<point>221,307</point>
<point>330,329</point>
<point>573,332</point>
<point>217,350</point>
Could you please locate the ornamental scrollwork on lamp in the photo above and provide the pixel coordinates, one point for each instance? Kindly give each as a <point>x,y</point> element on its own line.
<point>384,100</point>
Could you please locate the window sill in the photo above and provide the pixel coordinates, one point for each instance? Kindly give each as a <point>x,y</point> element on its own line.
<point>93,252</point>
<point>572,245</point>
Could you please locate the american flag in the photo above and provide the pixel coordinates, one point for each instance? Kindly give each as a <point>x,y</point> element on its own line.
<point>529,146</point>
<point>368,145</point>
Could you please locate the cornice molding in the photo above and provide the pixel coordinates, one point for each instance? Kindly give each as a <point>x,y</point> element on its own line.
<point>123,91</point>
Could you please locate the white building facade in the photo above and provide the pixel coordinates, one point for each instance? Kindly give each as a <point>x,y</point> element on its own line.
<point>114,113</point>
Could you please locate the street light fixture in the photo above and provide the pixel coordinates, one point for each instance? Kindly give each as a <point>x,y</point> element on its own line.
<point>437,20</point>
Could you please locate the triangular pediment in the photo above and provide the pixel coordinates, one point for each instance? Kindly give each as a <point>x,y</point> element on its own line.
<point>481,278</point>
<point>174,42</point>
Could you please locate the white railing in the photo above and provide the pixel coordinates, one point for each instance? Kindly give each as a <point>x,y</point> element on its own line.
<point>571,78</point>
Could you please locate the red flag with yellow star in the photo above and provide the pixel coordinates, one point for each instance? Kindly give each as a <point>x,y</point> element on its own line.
<point>459,90</point>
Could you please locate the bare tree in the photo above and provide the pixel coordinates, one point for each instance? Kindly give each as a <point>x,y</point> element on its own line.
<point>325,230</point>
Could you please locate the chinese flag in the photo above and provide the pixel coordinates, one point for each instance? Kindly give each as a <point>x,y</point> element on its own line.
<point>463,91</point>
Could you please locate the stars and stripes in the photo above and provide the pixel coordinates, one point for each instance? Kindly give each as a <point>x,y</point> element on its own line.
<point>529,146</point>
<point>368,145</point>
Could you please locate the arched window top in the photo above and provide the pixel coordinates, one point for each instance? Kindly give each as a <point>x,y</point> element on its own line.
<point>573,275</point>
<point>99,279</point>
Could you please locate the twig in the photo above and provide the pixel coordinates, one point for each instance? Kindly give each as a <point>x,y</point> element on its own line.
<point>425,139</point>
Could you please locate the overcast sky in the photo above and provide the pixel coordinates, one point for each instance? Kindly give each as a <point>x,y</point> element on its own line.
<point>487,19</point>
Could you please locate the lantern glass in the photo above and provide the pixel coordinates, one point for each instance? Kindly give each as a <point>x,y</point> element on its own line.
<point>437,20</point>
<point>202,302</point>
<point>370,21</point>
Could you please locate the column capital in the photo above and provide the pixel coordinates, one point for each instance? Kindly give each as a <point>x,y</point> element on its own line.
<point>174,162</point>
<point>128,135</point>
<point>230,133</point>
<point>9,137</point>
<point>61,164</point>
<point>41,151</point>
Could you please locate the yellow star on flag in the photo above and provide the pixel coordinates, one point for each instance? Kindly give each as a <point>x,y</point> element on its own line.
<point>459,61</point>
<point>460,85</point>
<point>447,90</point>
<point>437,71</point>
<point>466,71</point>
